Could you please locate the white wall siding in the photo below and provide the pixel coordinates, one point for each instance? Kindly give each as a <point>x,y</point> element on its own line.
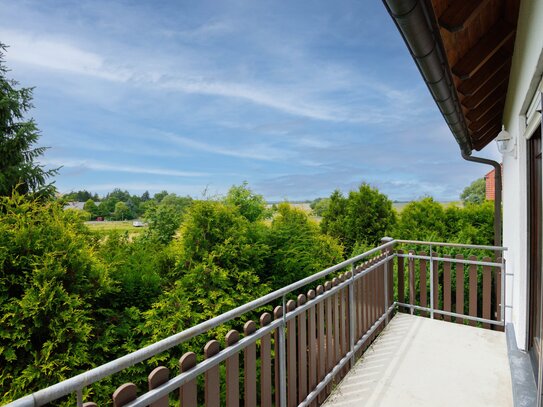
<point>526,73</point>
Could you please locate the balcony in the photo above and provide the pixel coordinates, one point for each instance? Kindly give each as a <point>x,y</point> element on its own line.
<point>395,325</point>
<point>418,361</point>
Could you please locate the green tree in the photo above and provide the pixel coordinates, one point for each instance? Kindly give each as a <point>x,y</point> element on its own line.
<point>106,207</point>
<point>80,196</point>
<point>297,247</point>
<point>133,204</point>
<point>365,216</point>
<point>165,217</point>
<point>251,206</point>
<point>160,195</point>
<point>472,224</point>
<point>334,220</point>
<point>122,211</point>
<point>18,135</point>
<point>428,220</point>
<point>135,265</point>
<point>474,193</point>
<point>50,287</point>
<point>91,208</point>
<point>422,220</point>
<point>145,196</point>
<point>320,206</point>
<point>118,195</point>
<point>218,269</point>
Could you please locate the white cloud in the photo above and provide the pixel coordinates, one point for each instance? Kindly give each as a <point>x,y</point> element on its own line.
<point>143,150</point>
<point>313,142</point>
<point>58,54</point>
<point>277,98</point>
<point>305,97</point>
<point>203,32</point>
<point>153,187</point>
<point>100,166</point>
<point>258,152</point>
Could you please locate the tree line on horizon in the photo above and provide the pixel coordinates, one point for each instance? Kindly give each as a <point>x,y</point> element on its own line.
<point>121,205</point>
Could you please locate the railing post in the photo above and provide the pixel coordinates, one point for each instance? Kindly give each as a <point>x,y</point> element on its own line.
<point>411,267</point>
<point>79,394</point>
<point>385,240</point>
<point>502,310</point>
<point>352,316</point>
<point>431,283</point>
<point>282,358</point>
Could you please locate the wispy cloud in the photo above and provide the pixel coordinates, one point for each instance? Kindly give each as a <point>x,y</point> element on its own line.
<point>198,190</point>
<point>306,98</point>
<point>259,152</point>
<point>278,98</point>
<point>127,148</point>
<point>60,55</point>
<point>203,32</point>
<point>101,166</point>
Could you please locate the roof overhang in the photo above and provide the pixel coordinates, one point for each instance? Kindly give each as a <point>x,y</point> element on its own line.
<point>463,49</point>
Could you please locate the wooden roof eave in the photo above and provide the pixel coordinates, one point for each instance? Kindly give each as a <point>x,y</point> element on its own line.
<point>474,41</point>
<point>478,40</point>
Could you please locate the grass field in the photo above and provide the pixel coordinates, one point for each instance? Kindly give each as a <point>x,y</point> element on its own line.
<point>121,226</point>
<point>126,226</point>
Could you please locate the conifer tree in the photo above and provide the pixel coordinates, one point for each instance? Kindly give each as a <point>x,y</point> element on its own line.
<point>18,136</point>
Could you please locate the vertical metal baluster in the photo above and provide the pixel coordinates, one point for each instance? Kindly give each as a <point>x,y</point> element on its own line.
<point>502,310</point>
<point>385,240</point>
<point>411,265</point>
<point>431,284</point>
<point>282,358</point>
<point>351,316</point>
<point>386,285</point>
<point>79,394</point>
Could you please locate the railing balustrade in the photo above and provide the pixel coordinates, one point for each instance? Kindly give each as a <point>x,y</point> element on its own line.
<point>462,287</point>
<point>293,356</point>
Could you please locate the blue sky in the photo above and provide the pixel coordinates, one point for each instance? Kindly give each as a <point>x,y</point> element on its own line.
<point>296,98</point>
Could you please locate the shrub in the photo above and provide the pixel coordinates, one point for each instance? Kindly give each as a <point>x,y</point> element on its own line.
<point>49,282</point>
<point>297,248</point>
<point>364,216</point>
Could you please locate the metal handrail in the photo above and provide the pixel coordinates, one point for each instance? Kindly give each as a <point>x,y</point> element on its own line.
<point>77,383</point>
<point>433,258</point>
<point>460,245</point>
<point>448,259</point>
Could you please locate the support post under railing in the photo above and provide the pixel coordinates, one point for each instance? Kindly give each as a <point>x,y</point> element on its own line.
<point>352,316</point>
<point>502,308</point>
<point>431,283</point>
<point>282,359</point>
<point>387,251</point>
<point>79,394</point>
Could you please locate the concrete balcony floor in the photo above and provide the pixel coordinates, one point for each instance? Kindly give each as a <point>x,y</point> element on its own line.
<point>421,362</point>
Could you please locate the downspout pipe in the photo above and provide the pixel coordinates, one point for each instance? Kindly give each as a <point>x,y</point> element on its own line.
<point>497,192</point>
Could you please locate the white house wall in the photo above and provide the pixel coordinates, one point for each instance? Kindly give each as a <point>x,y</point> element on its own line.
<point>526,70</point>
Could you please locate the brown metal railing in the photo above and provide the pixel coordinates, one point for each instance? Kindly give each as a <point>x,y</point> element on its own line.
<point>294,355</point>
<point>317,345</point>
<point>452,286</point>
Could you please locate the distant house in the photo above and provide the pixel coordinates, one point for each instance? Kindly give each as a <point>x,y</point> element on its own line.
<point>490,191</point>
<point>74,205</point>
<point>490,182</point>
